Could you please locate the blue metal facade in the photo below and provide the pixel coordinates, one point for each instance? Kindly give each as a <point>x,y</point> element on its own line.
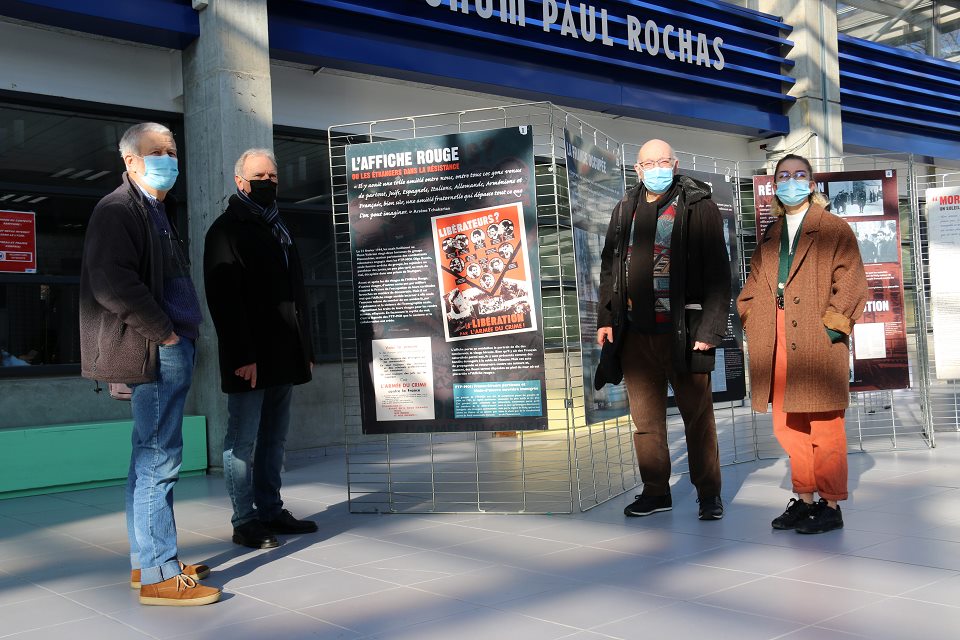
<point>896,100</point>
<point>165,23</point>
<point>409,39</point>
<point>892,100</point>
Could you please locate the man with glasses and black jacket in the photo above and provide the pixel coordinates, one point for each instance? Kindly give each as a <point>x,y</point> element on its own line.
<point>663,309</point>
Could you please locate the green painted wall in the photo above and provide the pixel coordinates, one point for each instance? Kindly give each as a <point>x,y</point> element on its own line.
<point>48,459</point>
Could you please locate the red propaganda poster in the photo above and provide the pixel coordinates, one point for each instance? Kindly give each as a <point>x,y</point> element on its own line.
<point>18,242</point>
<point>869,202</point>
<point>483,271</point>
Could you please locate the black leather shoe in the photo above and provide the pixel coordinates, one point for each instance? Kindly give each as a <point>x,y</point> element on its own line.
<point>645,505</point>
<point>711,508</point>
<point>254,535</point>
<point>286,523</point>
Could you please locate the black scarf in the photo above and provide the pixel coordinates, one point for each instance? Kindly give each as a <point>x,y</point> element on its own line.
<point>270,215</point>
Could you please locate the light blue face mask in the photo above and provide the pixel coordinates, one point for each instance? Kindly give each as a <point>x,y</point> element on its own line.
<point>160,172</point>
<point>658,179</point>
<point>792,192</point>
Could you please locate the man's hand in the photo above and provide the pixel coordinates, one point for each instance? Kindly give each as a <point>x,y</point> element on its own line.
<point>248,372</point>
<point>702,346</point>
<point>604,334</point>
<point>171,340</point>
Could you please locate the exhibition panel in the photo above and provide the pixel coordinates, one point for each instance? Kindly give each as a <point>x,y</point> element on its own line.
<point>498,463</point>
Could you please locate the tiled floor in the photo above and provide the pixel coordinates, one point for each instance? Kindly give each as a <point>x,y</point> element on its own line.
<point>893,572</point>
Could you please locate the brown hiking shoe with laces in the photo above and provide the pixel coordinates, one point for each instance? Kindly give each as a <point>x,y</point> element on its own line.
<point>195,571</point>
<point>178,591</point>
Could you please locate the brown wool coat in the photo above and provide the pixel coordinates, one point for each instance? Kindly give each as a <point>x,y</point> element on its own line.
<point>826,288</point>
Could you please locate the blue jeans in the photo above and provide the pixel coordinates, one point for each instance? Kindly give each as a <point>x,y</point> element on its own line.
<point>155,463</point>
<point>253,447</point>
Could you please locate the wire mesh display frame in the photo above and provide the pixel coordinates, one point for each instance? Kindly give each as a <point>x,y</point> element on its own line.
<point>574,465</point>
<point>875,420</point>
<point>569,466</point>
<point>942,395</point>
<point>735,424</point>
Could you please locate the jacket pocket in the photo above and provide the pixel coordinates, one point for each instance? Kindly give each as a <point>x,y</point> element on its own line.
<point>699,361</point>
<point>122,352</point>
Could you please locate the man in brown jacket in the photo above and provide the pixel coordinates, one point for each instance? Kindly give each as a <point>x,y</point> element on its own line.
<point>139,317</point>
<point>664,304</point>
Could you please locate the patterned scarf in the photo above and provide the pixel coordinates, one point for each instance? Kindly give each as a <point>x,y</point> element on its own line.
<point>270,215</point>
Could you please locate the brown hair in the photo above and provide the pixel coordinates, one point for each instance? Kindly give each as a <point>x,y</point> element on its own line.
<point>776,207</point>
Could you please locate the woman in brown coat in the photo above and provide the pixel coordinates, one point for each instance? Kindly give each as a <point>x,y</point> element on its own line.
<point>806,289</point>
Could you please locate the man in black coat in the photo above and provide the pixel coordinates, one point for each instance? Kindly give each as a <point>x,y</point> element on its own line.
<point>255,292</point>
<point>664,304</point>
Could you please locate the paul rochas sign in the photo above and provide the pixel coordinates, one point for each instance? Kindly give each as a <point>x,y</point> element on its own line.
<point>582,21</point>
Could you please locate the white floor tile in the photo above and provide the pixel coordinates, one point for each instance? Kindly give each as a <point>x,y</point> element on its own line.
<point>892,572</point>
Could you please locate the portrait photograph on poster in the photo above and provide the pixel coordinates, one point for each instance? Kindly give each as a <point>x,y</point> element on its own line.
<point>877,240</point>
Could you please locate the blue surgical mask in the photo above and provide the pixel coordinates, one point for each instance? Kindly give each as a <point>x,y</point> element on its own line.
<point>658,179</point>
<point>160,172</point>
<point>792,192</point>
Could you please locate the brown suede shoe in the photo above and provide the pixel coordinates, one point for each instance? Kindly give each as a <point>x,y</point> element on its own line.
<point>195,571</point>
<point>178,591</point>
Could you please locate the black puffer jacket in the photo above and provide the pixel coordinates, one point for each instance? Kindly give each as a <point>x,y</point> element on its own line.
<point>121,289</point>
<point>699,273</point>
<point>257,301</point>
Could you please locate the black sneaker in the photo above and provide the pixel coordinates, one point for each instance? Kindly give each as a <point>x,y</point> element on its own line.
<point>286,523</point>
<point>711,508</point>
<point>821,519</point>
<point>645,505</point>
<point>254,535</point>
<point>796,511</point>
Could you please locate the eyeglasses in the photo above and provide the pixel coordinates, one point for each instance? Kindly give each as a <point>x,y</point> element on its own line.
<point>664,163</point>
<point>802,176</point>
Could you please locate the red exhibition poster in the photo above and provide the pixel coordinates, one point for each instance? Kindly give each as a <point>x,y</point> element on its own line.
<point>18,242</point>
<point>483,271</point>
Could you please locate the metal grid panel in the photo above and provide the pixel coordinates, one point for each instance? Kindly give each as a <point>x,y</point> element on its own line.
<point>943,396</point>
<point>735,429</point>
<point>875,420</point>
<point>526,472</point>
<point>573,464</point>
<point>603,452</point>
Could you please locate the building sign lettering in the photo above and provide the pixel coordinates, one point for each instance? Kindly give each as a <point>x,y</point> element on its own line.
<point>582,21</point>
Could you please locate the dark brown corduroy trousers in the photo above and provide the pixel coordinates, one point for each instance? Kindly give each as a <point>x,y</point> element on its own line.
<point>647,366</point>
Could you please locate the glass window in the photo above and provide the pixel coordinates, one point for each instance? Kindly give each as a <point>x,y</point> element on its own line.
<point>56,162</point>
<point>305,204</point>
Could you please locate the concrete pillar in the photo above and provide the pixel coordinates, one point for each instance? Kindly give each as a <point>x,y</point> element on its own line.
<point>228,108</point>
<point>815,126</point>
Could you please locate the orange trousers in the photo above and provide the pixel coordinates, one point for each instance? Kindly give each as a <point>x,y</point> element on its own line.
<point>816,441</point>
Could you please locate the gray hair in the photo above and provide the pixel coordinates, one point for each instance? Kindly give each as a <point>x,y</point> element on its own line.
<point>238,167</point>
<point>130,142</point>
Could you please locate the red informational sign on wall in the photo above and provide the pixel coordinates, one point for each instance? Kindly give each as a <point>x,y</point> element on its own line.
<point>18,242</point>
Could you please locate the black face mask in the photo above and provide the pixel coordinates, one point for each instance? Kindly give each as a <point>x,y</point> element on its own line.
<point>263,192</point>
